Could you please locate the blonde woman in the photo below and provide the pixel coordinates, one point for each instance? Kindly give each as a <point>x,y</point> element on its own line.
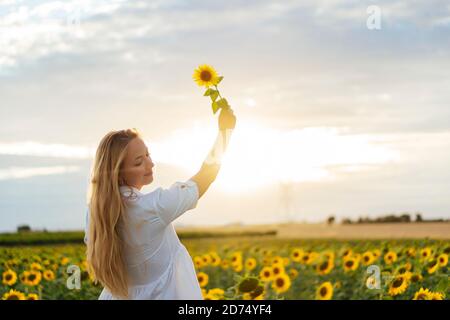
<point>132,247</point>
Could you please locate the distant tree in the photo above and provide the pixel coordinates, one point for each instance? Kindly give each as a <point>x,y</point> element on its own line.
<point>419,217</point>
<point>23,228</point>
<point>330,220</point>
<point>405,218</point>
<point>346,221</point>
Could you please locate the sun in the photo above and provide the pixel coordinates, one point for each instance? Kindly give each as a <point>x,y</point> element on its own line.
<point>259,156</point>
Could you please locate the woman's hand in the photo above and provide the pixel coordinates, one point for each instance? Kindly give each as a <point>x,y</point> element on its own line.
<point>227,119</point>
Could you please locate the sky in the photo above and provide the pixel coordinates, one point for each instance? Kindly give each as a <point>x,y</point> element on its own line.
<point>342,106</point>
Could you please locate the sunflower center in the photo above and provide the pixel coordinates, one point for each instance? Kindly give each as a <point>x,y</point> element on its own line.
<point>8,277</point>
<point>31,277</point>
<point>280,282</point>
<point>323,291</point>
<point>13,297</point>
<point>205,75</point>
<point>397,282</point>
<point>324,266</point>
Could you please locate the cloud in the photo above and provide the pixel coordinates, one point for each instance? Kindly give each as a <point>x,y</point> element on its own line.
<point>30,148</point>
<point>13,173</point>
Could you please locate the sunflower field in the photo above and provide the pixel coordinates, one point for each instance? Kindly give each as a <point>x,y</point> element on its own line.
<point>254,268</point>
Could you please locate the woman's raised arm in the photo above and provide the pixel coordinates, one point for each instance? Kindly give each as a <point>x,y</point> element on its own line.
<point>211,166</point>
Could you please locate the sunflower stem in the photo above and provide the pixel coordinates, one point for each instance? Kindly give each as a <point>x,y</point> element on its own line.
<point>218,91</point>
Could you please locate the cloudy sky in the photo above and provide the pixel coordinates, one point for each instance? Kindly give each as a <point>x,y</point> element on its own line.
<point>343,107</point>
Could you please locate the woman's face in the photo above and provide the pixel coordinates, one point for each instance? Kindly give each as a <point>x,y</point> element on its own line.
<point>137,166</point>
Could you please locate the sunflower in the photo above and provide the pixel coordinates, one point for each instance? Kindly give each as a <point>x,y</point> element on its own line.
<point>205,76</point>
<point>202,279</point>
<point>405,268</point>
<point>209,296</point>
<point>437,296</point>
<point>32,296</point>
<point>293,273</point>
<point>281,283</point>
<point>390,257</point>
<point>432,266</point>
<point>329,255</point>
<point>48,275</point>
<point>225,264</point>
<point>324,291</point>
<point>217,292</point>
<point>425,253</point>
<point>411,252</point>
<point>32,278</point>
<point>347,253</point>
<point>236,257</point>
<point>325,267</point>
<point>422,294</point>
<point>9,277</point>
<point>443,260</point>
<point>266,261</point>
<point>64,261</point>
<point>368,258</point>
<point>415,277</point>
<point>266,274</point>
<point>206,259</point>
<point>398,285</point>
<point>215,259</point>
<point>350,264</point>
<point>13,295</point>
<point>309,257</point>
<point>376,253</point>
<point>277,260</point>
<point>248,284</point>
<point>277,269</point>
<point>258,293</point>
<point>237,267</point>
<point>250,264</point>
<point>35,266</point>
<point>198,261</point>
<point>297,254</point>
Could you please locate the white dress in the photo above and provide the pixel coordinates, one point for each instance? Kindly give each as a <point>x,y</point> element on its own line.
<point>159,265</point>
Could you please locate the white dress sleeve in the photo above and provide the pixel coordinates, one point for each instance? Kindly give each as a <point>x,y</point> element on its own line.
<point>179,198</point>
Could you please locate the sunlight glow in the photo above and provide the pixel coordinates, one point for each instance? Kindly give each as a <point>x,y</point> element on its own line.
<point>259,156</point>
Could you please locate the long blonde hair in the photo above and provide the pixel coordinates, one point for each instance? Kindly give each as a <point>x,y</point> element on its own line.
<point>105,254</point>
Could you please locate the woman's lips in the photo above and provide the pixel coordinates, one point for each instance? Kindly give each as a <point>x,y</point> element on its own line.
<point>149,174</point>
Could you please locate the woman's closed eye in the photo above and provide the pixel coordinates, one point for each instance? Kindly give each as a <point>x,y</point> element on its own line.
<point>141,162</point>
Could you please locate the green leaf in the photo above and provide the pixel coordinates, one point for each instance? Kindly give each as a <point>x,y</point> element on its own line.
<point>223,103</point>
<point>208,92</point>
<point>214,94</point>
<point>215,107</point>
<point>442,285</point>
<point>219,79</point>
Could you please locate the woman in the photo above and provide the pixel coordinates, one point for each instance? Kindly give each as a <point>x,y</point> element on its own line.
<point>132,247</point>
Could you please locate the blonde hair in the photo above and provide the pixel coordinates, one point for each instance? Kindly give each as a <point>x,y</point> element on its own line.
<point>105,255</point>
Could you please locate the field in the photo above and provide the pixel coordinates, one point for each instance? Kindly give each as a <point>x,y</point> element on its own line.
<point>257,267</point>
